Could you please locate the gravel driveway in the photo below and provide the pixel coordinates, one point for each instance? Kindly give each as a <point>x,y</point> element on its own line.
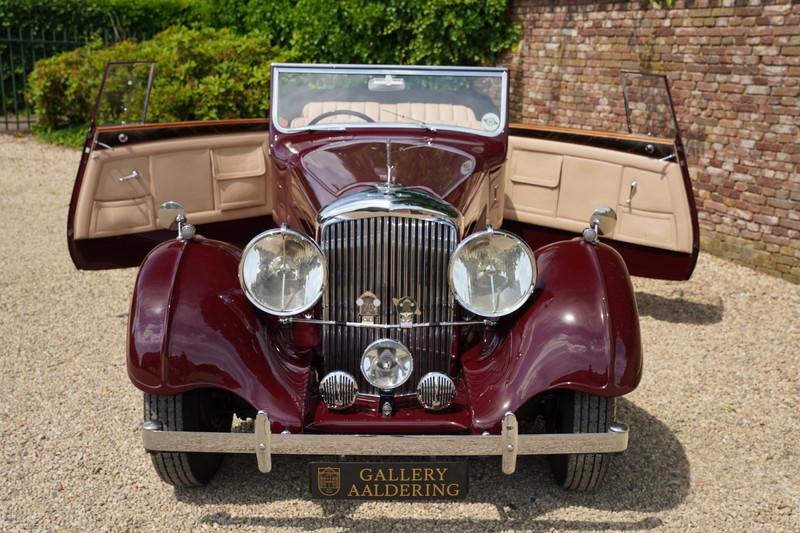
<point>714,425</point>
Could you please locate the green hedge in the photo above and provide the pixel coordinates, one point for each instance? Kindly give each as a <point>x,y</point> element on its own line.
<point>125,17</point>
<point>200,75</point>
<point>206,74</point>
<point>372,31</point>
<point>377,31</point>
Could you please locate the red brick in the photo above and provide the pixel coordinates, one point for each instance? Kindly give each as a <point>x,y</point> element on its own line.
<point>735,81</point>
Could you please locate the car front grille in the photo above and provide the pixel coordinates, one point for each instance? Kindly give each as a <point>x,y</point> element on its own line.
<point>392,257</point>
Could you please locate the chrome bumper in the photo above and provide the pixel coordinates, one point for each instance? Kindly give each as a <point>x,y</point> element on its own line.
<point>509,444</point>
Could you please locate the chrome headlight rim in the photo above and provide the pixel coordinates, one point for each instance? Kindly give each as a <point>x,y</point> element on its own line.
<point>526,295</point>
<point>285,231</point>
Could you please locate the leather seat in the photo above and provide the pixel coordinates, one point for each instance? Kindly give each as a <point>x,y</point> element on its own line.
<point>432,113</point>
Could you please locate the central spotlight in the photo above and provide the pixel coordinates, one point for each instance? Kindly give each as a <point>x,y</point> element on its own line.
<point>386,364</point>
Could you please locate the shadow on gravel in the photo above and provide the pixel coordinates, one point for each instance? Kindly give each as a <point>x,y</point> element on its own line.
<point>653,475</point>
<point>678,310</point>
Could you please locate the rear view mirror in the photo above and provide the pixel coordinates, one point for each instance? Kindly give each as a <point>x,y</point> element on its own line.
<point>387,83</point>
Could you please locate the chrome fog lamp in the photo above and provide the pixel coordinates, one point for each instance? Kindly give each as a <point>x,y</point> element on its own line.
<point>436,391</point>
<point>338,390</point>
<point>386,364</point>
<point>282,272</point>
<point>492,273</point>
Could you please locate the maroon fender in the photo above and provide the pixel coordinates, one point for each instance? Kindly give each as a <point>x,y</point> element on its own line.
<point>191,327</point>
<point>580,332</point>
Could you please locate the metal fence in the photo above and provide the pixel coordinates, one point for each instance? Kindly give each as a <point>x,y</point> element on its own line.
<point>19,51</point>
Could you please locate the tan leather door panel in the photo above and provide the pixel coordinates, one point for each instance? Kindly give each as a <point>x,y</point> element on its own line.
<point>215,177</point>
<point>558,185</point>
<point>238,177</point>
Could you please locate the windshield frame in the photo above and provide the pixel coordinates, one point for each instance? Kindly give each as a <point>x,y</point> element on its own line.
<point>428,70</point>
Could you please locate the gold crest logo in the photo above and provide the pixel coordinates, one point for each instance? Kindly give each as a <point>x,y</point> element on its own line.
<point>407,310</point>
<point>328,480</point>
<point>368,305</point>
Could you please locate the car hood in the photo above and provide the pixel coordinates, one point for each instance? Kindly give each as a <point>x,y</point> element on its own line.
<point>342,166</point>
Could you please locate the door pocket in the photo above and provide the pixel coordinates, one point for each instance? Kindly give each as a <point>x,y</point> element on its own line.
<point>116,217</point>
<point>647,228</point>
<point>240,176</point>
<point>240,192</point>
<point>533,181</point>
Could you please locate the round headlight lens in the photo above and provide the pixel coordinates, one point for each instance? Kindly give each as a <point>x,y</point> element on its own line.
<point>492,273</point>
<point>386,364</point>
<point>282,272</point>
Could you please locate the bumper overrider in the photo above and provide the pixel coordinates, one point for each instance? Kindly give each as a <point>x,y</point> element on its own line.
<point>508,444</point>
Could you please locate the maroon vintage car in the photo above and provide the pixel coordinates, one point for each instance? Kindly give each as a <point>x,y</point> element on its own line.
<point>339,275</point>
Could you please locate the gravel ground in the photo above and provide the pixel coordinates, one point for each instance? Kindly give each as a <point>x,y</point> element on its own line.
<point>714,424</point>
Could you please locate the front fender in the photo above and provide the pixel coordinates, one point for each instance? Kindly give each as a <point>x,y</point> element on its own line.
<point>191,327</point>
<point>580,332</point>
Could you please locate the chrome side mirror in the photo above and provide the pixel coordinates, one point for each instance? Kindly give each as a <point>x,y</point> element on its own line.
<point>172,216</point>
<point>604,219</point>
<point>169,214</point>
<point>602,222</point>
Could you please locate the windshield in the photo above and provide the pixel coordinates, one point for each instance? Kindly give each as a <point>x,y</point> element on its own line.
<point>324,97</point>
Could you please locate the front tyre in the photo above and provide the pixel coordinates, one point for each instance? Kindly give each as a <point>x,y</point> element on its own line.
<point>578,412</point>
<point>190,411</point>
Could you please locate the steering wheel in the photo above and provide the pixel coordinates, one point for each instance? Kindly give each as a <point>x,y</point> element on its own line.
<point>335,112</point>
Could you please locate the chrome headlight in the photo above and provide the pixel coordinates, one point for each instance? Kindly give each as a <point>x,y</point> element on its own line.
<point>386,364</point>
<point>492,273</point>
<point>282,272</point>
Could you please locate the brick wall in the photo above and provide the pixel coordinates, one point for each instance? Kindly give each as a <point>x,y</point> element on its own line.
<point>734,69</point>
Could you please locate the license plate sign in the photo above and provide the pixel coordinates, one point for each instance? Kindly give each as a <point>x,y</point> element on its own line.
<point>397,481</point>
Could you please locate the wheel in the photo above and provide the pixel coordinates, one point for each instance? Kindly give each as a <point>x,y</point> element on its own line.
<point>191,411</point>
<point>578,412</point>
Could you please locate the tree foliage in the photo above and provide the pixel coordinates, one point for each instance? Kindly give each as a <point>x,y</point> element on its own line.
<point>216,64</point>
<point>371,31</point>
<point>201,75</point>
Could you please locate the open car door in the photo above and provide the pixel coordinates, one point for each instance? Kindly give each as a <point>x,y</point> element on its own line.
<point>556,177</point>
<point>217,170</point>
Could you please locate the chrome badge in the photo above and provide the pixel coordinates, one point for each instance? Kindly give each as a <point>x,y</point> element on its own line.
<point>368,305</point>
<point>407,310</point>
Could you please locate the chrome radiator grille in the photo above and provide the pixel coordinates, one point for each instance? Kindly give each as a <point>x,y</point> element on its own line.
<point>392,257</point>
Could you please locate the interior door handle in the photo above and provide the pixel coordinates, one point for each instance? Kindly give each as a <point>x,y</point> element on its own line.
<point>133,175</point>
<point>631,192</point>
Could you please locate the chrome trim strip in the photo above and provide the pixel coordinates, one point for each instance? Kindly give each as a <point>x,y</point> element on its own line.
<point>367,325</point>
<point>615,440</point>
<point>399,202</point>
<point>388,125</point>
<point>343,67</point>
